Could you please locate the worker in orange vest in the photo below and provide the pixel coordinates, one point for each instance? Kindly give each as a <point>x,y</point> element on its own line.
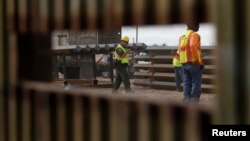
<point>121,65</point>
<point>192,64</point>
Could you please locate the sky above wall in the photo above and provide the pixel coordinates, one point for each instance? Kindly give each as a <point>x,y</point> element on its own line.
<point>168,34</point>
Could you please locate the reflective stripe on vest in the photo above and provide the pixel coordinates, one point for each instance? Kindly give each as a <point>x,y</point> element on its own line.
<point>186,52</point>
<point>124,58</point>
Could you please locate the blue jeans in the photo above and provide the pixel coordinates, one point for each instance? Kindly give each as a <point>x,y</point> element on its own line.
<point>192,76</point>
<point>178,78</point>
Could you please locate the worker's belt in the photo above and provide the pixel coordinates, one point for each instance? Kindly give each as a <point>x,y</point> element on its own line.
<point>190,63</point>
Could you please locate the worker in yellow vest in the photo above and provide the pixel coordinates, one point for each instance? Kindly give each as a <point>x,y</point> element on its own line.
<point>178,72</point>
<point>192,65</point>
<point>121,65</point>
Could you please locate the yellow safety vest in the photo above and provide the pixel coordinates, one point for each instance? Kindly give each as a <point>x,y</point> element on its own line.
<point>187,53</point>
<point>176,62</point>
<point>124,58</point>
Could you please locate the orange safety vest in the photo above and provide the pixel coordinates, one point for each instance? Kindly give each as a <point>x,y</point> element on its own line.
<point>190,52</point>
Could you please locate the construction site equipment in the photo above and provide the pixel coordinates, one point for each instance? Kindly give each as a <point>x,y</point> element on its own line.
<point>79,61</point>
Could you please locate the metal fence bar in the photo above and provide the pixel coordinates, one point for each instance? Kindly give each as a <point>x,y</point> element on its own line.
<point>59,14</point>
<point>26,116</point>
<point>77,119</point>
<point>166,131</point>
<point>22,14</point>
<point>107,14</point>
<point>43,16</point>
<point>75,14</point>
<point>48,113</point>
<point>91,14</point>
<point>191,126</point>
<point>12,115</point>
<point>163,11</point>
<point>225,53</point>
<point>247,62</point>
<point>2,119</point>
<point>61,112</point>
<point>43,116</point>
<point>139,10</point>
<point>95,120</point>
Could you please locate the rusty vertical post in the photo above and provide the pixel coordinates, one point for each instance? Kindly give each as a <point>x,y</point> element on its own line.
<point>2,132</point>
<point>60,111</point>
<point>43,116</point>
<point>143,129</point>
<point>77,119</point>
<point>226,62</point>
<point>26,116</point>
<point>167,127</point>
<point>95,122</point>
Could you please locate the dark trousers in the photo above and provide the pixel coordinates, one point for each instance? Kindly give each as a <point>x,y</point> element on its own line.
<point>178,78</point>
<point>122,76</point>
<point>192,76</point>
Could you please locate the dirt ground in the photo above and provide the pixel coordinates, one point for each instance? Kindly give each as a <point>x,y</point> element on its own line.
<point>207,100</point>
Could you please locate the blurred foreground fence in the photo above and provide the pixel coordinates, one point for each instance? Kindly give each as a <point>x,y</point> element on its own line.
<point>155,70</point>
<point>41,111</point>
<point>38,112</point>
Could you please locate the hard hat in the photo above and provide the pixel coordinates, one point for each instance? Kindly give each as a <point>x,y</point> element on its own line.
<point>125,38</point>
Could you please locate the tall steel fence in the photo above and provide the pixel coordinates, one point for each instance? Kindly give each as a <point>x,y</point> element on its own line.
<point>38,111</point>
